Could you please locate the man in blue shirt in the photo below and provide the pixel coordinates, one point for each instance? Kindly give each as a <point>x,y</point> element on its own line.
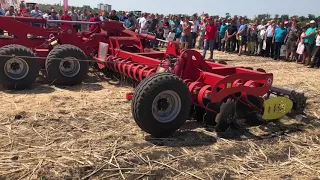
<point>242,33</point>
<point>123,17</point>
<point>278,39</point>
<point>222,33</point>
<point>309,41</point>
<point>129,23</point>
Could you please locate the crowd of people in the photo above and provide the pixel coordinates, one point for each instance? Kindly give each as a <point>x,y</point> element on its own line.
<point>268,38</point>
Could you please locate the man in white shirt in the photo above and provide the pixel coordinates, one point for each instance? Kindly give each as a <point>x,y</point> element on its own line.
<point>269,52</point>
<point>261,32</point>
<point>143,24</point>
<point>194,31</point>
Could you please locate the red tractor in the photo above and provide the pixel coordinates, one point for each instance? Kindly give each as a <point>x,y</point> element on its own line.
<point>173,86</point>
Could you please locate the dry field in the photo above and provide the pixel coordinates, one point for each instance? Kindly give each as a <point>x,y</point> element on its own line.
<point>87,132</point>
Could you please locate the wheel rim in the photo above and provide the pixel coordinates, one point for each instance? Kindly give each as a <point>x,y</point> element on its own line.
<point>166,106</point>
<point>69,67</point>
<point>16,68</point>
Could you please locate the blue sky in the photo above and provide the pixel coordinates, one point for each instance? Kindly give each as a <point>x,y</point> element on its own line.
<point>213,7</point>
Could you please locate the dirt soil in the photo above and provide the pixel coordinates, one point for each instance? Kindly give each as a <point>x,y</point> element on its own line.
<point>87,132</point>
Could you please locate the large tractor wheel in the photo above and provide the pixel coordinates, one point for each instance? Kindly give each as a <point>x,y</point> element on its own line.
<point>64,65</point>
<point>161,104</point>
<point>17,71</point>
<point>226,116</point>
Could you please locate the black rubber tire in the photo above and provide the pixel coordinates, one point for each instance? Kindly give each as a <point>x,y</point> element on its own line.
<point>143,98</point>
<point>52,65</point>
<point>227,108</point>
<point>33,63</point>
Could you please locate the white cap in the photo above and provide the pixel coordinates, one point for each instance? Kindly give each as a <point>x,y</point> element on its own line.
<point>312,22</point>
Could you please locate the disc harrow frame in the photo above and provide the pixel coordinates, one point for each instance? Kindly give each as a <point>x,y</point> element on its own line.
<point>214,87</point>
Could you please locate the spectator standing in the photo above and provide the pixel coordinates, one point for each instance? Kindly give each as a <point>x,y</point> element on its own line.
<point>25,12</point>
<point>46,14</point>
<point>166,28</point>
<point>94,27</point>
<point>129,23</point>
<point>36,12</point>
<point>84,17</point>
<point>153,24</point>
<point>316,53</point>
<point>202,34</point>
<point>66,17</point>
<point>10,12</point>
<point>113,16</point>
<point>242,33</point>
<point>269,51</point>
<point>1,14</point>
<point>186,33</point>
<point>104,16</point>
<point>143,24</point>
<point>60,14</point>
<point>278,39</point>
<point>211,32</point>
<point>252,39</point>
<point>123,17</point>
<point>292,41</point>
<point>194,31</point>
<point>261,28</point>
<point>222,33</point>
<point>231,37</point>
<point>53,16</point>
<point>309,40</point>
<point>74,17</point>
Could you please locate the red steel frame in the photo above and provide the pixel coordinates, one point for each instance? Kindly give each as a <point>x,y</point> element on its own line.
<point>205,80</point>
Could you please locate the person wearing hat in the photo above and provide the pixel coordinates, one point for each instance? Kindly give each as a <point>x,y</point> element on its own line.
<point>309,41</point>
<point>316,52</point>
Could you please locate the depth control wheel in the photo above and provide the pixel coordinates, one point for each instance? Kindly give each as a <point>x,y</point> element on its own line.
<point>161,104</point>
<point>18,67</point>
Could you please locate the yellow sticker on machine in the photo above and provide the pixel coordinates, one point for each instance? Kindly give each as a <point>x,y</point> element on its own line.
<point>276,107</point>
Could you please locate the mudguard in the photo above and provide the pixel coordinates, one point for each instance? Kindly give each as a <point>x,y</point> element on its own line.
<point>276,107</point>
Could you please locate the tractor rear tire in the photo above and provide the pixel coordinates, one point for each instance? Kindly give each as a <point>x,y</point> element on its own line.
<point>18,73</point>
<point>161,92</point>
<point>64,65</point>
<point>226,116</point>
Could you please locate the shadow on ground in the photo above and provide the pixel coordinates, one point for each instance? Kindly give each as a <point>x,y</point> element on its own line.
<point>188,137</point>
<point>36,88</point>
